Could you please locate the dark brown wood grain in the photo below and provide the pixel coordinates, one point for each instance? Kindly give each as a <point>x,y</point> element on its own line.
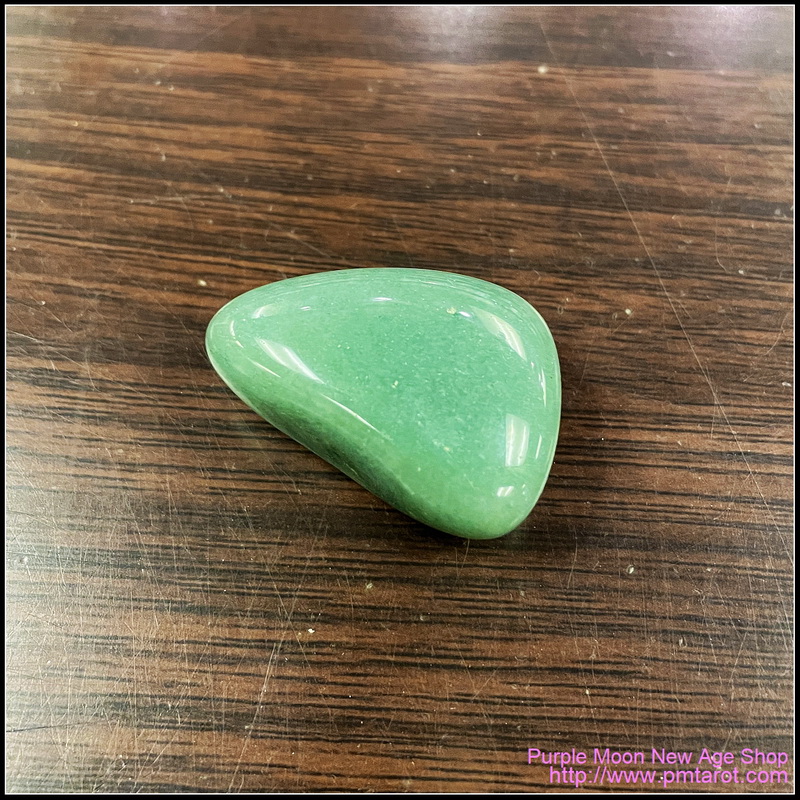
<point>198,603</point>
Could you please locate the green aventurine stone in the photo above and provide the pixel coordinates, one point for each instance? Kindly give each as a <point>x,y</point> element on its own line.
<point>439,393</point>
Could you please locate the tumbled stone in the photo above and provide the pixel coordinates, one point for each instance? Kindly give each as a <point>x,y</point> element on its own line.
<point>438,392</point>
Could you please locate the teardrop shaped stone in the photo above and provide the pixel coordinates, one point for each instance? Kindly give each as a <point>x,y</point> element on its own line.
<point>438,392</point>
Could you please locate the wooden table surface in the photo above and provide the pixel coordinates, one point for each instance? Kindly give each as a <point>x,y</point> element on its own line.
<point>197,602</point>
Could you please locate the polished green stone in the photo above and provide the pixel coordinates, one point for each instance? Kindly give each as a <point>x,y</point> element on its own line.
<point>438,392</point>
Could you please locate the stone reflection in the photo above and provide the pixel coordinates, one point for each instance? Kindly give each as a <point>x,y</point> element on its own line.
<point>502,329</point>
<point>287,357</point>
<point>518,434</point>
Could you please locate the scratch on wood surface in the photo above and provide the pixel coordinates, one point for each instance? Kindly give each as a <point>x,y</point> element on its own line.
<point>716,225</point>
<point>295,238</point>
<point>460,567</point>
<point>572,565</point>
<point>402,241</point>
<point>276,649</point>
<point>48,727</point>
<point>318,687</point>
